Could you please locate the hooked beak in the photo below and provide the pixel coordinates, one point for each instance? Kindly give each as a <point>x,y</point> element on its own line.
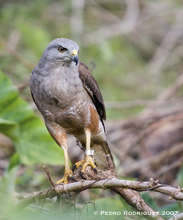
<point>75,56</point>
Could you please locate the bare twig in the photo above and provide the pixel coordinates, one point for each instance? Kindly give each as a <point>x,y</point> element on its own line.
<point>135,103</point>
<point>178,148</point>
<point>17,55</point>
<point>152,185</point>
<point>166,169</point>
<point>122,27</point>
<point>48,175</point>
<point>164,96</point>
<point>169,41</point>
<point>170,92</point>
<point>76,20</point>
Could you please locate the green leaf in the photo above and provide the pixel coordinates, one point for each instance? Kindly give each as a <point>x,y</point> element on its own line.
<point>7,189</point>
<point>18,121</point>
<point>34,38</point>
<point>9,128</point>
<point>149,200</point>
<point>14,161</point>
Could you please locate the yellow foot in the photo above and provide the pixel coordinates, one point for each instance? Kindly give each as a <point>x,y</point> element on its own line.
<point>88,161</point>
<point>68,173</point>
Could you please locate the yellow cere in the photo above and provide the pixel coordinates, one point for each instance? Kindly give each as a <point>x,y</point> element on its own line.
<point>74,52</point>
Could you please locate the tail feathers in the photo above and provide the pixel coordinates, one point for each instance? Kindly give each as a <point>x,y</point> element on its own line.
<point>103,156</point>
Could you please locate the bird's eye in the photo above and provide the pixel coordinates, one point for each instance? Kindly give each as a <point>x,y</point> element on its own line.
<point>61,49</point>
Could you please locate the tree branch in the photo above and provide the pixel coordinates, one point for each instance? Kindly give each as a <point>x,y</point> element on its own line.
<point>124,26</point>
<point>113,184</point>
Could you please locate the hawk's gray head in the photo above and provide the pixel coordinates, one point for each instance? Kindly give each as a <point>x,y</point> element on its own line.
<point>62,50</point>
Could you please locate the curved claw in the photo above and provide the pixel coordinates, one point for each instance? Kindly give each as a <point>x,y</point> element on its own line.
<point>88,161</point>
<point>74,167</point>
<point>68,174</point>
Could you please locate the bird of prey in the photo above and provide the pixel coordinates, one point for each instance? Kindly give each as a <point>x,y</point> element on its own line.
<point>70,102</point>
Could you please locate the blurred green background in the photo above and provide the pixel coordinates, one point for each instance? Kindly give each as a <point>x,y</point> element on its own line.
<point>117,46</point>
<point>134,49</point>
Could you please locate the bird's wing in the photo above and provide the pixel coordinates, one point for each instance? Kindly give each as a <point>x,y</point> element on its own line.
<point>92,88</point>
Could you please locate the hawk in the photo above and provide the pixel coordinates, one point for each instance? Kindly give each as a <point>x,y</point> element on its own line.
<point>70,101</point>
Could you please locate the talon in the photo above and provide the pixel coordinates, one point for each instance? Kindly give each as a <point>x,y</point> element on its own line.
<point>73,179</point>
<point>82,175</point>
<point>68,174</point>
<point>95,170</point>
<point>88,161</point>
<point>74,167</point>
<point>79,163</point>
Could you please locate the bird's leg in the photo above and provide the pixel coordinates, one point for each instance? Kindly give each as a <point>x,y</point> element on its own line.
<point>88,160</point>
<point>68,172</point>
<point>89,153</point>
<point>61,138</point>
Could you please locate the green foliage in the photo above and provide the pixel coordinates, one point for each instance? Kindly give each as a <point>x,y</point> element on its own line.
<point>18,121</point>
<point>62,209</point>
<point>34,38</point>
<point>14,161</point>
<point>7,189</point>
<point>37,25</point>
<point>149,200</point>
<point>121,73</point>
<point>112,208</point>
